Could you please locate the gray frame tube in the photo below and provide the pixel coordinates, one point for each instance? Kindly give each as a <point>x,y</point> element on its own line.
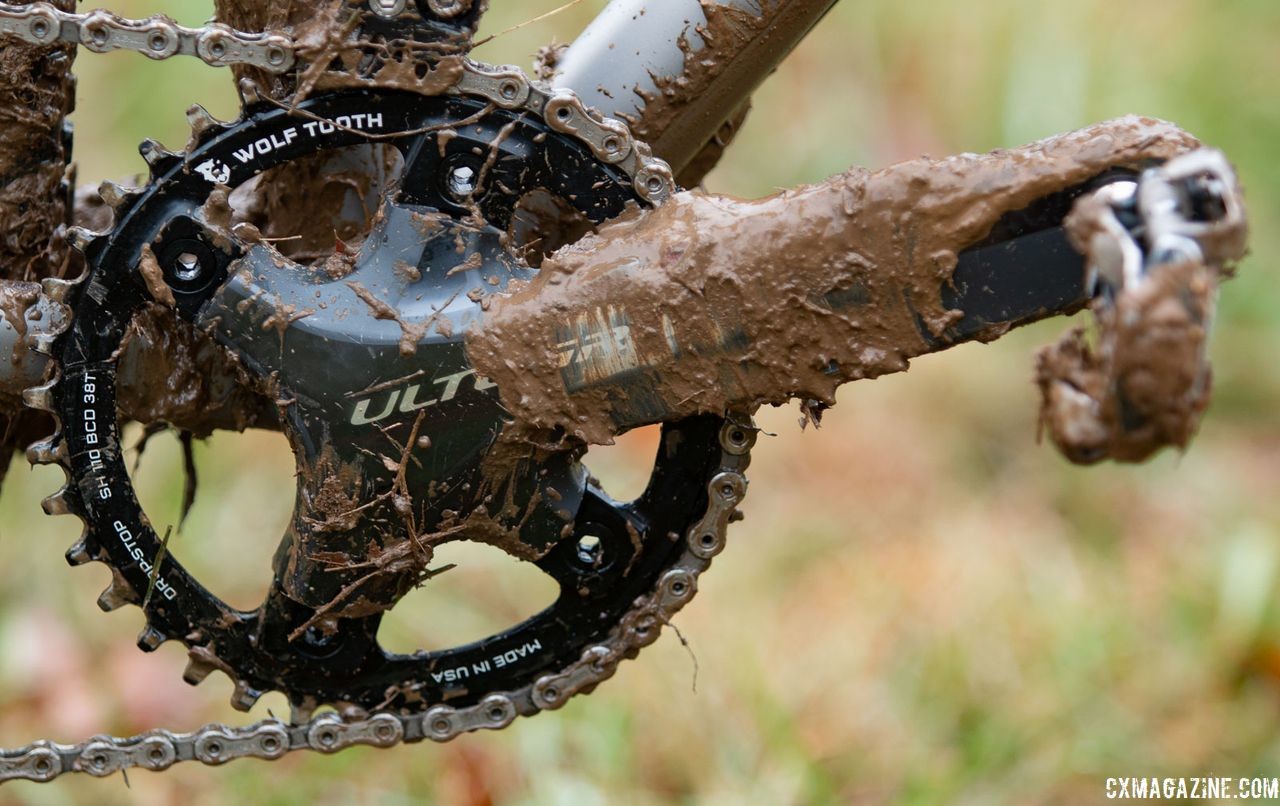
<point>613,64</point>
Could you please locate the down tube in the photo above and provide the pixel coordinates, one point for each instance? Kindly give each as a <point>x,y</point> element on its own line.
<point>635,46</point>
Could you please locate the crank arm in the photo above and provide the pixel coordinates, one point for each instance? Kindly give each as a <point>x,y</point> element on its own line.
<point>708,304</point>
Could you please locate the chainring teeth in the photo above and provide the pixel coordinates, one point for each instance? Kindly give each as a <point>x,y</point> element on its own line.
<point>652,181</point>
<point>52,450</point>
<point>158,158</point>
<point>117,594</point>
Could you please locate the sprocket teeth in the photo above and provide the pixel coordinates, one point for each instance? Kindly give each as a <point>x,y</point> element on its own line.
<point>80,552</point>
<point>57,289</point>
<point>244,696</point>
<point>150,639</point>
<point>61,503</point>
<point>38,397</point>
<point>47,452</point>
<point>80,238</point>
<point>113,193</point>
<point>249,94</point>
<point>117,196</point>
<point>43,343</point>
<point>200,120</point>
<point>117,595</point>
<point>157,156</point>
<point>196,671</point>
<point>151,150</point>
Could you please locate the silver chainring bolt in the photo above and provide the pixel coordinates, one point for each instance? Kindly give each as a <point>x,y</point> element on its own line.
<point>387,8</point>
<point>188,267</point>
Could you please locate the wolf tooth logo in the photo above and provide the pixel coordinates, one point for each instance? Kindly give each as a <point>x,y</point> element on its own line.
<point>407,397</point>
<point>215,171</point>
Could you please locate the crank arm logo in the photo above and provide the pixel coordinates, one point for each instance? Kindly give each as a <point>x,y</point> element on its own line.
<point>595,346</point>
<point>413,396</point>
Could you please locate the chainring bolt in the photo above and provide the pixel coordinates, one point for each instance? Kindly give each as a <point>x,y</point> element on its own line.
<point>387,8</point>
<point>462,181</point>
<point>187,267</point>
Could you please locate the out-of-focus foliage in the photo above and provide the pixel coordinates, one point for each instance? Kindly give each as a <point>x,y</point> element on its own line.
<point>923,604</point>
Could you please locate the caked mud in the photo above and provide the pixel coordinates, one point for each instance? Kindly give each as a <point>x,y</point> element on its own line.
<point>727,34</point>
<point>179,376</point>
<point>1143,380</point>
<point>708,304</point>
<point>689,117</point>
<point>37,92</point>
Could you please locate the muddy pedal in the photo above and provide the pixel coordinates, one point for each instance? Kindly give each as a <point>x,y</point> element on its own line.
<point>1188,209</point>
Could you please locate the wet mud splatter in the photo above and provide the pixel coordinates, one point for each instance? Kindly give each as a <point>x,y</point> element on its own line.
<point>170,372</point>
<point>1142,382</point>
<point>411,332</point>
<point>708,303</point>
<point>153,276</point>
<point>37,92</point>
<point>725,34</point>
<point>738,50</point>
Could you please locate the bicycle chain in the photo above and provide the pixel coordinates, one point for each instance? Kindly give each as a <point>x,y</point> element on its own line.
<point>214,744</point>
<point>157,37</point>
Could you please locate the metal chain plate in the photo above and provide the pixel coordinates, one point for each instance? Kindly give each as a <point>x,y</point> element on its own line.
<point>157,37</point>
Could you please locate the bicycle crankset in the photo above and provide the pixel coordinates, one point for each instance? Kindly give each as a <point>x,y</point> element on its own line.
<point>400,446</point>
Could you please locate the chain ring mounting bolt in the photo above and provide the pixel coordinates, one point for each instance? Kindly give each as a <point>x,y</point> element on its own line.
<point>447,9</point>
<point>387,9</point>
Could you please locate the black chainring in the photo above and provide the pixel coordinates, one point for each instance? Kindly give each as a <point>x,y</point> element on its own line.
<point>346,664</point>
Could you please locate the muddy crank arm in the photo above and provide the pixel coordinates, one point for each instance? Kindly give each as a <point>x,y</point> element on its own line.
<point>710,304</point>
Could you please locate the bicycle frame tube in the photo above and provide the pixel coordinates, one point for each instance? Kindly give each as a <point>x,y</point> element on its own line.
<point>676,70</point>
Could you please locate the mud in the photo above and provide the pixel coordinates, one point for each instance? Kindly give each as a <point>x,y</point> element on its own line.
<point>15,298</point>
<point>709,303</point>
<point>333,56</point>
<point>252,15</point>
<point>410,332</point>
<point>153,276</point>
<point>306,205</point>
<point>1143,381</point>
<point>37,92</point>
<point>705,305</point>
<point>542,223</point>
<point>685,119</point>
<point>726,33</point>
<point>169,372</point>
<point>90,211</point>
<point>547,59</point>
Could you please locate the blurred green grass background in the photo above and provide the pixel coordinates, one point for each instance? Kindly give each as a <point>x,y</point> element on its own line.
<point>922,605</point>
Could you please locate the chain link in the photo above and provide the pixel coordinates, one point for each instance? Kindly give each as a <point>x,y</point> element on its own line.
<point>157,37</point>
